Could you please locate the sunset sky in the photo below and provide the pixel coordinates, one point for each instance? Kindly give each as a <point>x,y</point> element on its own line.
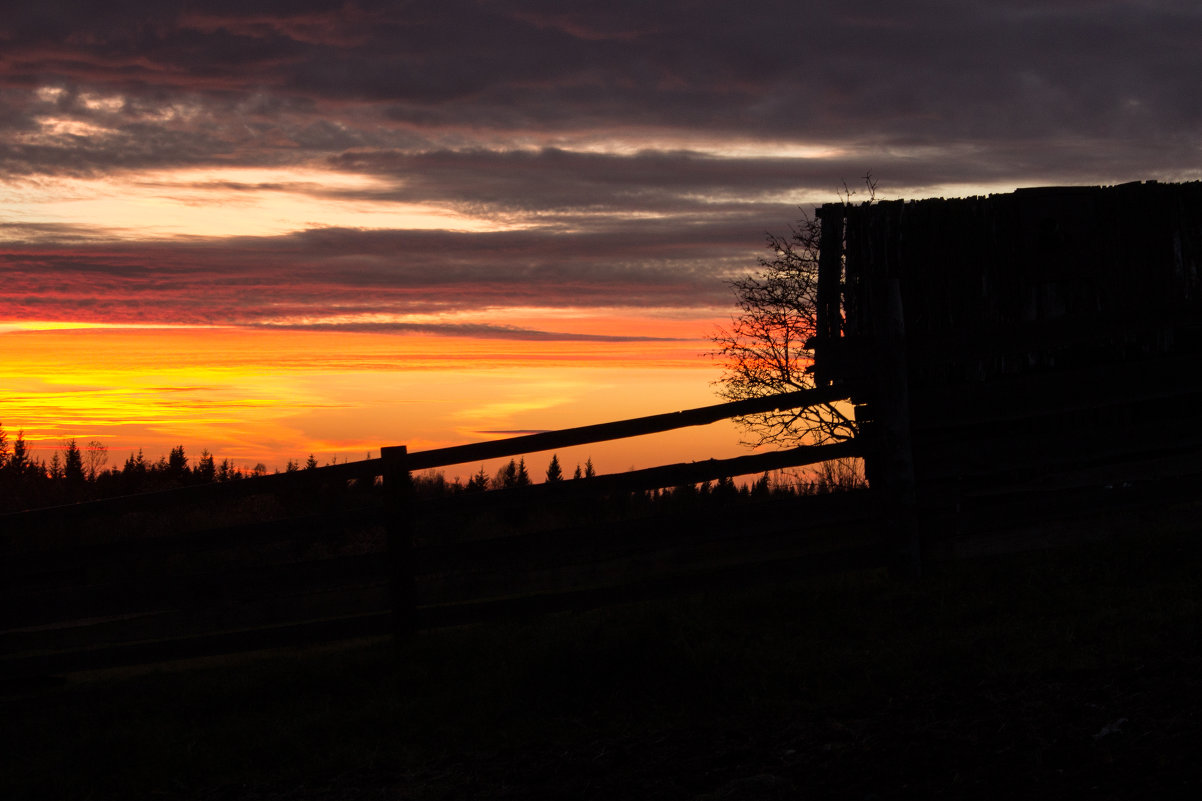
<point>269,229</point>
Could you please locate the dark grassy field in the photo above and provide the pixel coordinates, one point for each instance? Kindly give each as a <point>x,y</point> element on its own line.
<point>1068,673</point>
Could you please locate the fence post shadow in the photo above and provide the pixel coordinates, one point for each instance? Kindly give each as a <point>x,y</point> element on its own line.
<point>399,524</point>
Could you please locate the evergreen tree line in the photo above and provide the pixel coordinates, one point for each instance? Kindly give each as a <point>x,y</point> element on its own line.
<point>830,477</point>
<point>513,474</point>
<point>82,473</point>
<point>79,473</point>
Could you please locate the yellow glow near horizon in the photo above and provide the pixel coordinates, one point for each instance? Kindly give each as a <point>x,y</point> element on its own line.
<point>270,396</point>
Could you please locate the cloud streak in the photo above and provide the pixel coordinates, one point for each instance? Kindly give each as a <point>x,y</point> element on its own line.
<point>469,330</point>
<point>320,272</point>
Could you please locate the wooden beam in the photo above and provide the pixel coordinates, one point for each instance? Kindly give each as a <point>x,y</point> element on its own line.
<point>368,469</point>
<point>398,490</point>
<point>891,414</point>
<point>830,275</point>
<point>622,429</point>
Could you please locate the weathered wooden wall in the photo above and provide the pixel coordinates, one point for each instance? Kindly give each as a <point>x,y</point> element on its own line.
<point>1044,326</point>
<point>1032,279</point>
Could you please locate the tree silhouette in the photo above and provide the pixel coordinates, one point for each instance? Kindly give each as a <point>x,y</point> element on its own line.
<point>95,458</point>
<point>133,474</point>
<point>767,348</point>
<point>227,472</point>
<point>512,475</point>
<point>478,482</point>
<point>73,464</point>
<point>206,468</point>
<point>18,463</point>
<point>554,471</point>
<point>75,473</point>
<point>177,464</point>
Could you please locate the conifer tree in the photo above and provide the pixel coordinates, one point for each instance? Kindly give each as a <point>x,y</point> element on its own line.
<point>507,475</point>
<point>227,472</point>
<point>18,463</point>
<point>177,463</point>
<point>206,468</point>
<point>135,464</point>
<point>72,463</point>
<point>554,471</point>
<point>478,482</point>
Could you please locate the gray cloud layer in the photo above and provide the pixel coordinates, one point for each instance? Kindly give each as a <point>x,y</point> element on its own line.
<point>609,132</point>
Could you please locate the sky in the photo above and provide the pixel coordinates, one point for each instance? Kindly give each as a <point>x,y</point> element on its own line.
<point>274,228</point>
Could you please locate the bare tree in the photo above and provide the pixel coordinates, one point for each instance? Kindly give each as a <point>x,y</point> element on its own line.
<point>94,459</point>
<point>766,349</point>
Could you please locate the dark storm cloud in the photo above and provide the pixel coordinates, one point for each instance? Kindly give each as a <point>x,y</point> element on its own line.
<point>682,182</point>
<point>866,72</point>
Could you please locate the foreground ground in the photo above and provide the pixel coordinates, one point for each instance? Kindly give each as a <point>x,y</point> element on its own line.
<point>1067,673</point>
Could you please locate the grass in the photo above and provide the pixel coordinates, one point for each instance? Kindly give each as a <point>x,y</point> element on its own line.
<point>981,676</point>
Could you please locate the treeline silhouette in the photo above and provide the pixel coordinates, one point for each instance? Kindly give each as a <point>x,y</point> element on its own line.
<point>76,473</point>
<point>827,477</point>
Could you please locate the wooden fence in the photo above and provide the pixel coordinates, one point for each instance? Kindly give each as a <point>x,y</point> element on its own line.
<point>351,550</point>
<point>1002,402</point>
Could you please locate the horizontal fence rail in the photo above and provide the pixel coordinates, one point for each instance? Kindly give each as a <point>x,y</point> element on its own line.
<point>623,429</point>
<point>339,556</point>
<point>370,469</point>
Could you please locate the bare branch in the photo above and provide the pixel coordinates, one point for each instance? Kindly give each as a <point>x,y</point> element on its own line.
<point>763,351</point>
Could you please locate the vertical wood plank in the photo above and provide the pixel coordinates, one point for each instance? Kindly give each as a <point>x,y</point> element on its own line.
<point>893,432</point>
<point>830,273</point>
<point>398,492</point>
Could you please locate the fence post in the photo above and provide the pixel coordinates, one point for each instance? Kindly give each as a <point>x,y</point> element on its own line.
<point>398,494</point>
